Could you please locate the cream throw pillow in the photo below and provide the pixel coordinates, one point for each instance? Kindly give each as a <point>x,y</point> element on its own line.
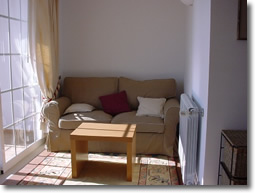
<point>151,107</point>
<point>79,108</point>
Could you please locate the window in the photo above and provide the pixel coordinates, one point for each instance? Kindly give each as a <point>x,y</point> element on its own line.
<point>19,89</point>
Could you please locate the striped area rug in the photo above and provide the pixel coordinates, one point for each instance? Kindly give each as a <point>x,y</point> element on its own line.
<point>50,168</point>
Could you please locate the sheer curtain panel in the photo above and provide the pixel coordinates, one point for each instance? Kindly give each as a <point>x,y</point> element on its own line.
<point>43,46</point>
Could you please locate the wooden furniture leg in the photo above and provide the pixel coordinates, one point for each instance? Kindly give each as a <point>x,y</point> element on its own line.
<point>79,154</point>
<point>131,155</point>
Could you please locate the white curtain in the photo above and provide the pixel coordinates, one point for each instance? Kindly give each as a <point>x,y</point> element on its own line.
<point>43,45</point>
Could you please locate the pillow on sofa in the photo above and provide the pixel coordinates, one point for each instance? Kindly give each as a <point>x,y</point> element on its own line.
<point>79,108</point>
<point>151,107</point>
<point>115,103</point>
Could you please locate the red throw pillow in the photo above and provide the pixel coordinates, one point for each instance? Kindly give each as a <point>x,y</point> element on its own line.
<point>115,103</point>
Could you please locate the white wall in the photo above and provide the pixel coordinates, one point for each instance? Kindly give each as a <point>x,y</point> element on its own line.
<point>217,77</point>
<point>227,102</point>
<point>197,68</point>
<point>140,39</point>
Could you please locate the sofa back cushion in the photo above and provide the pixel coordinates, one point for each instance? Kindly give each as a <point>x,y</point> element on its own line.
<point>88,90</point>
<point>159,88</point>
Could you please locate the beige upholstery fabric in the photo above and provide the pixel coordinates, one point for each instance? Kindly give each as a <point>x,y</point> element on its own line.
<point>154,135</point>
<point>170,105</point>
<point>146,143</point>
<point>73,120</point>
<point>53,110</point>
<point>145,124</point>
<point>171,113</point>
<point>164,88</point>
<point>88,90</point>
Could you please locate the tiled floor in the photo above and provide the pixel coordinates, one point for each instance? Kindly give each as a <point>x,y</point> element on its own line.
<point>32,169</point>
<point>50,168</point>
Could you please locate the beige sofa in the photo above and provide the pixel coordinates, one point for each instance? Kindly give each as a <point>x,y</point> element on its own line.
<point>154,135</point>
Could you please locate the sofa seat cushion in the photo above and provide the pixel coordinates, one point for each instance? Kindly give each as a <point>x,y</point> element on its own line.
<point>145,124</point>
<point>73,120</point>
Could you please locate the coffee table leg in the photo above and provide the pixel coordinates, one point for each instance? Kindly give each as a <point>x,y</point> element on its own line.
<point>131,155</point>
<point>79,154</point>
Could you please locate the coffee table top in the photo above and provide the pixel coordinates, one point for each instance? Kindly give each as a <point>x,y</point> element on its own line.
<point>104,132</point>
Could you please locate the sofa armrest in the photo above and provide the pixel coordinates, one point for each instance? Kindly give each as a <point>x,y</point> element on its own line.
<point>171,120</point>
<point>53,110</point>
<point>171,111</point>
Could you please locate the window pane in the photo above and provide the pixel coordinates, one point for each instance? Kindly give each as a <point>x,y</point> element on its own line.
<point>15,36</point>
<point>4,7</point>
<point>18,105</point>
<point>24,38</point>
<point>9,143</point>
<point>24,8</point>
<point>5,76</point>
<point>6,99</point>
<point>19,137</point>
<point>32,100</point>
<point>20,94</point>
<point>16,71</point>
<point>27,72</point>
<point>14,8</point>
<point>4,35</point>
<point>29,102</point>
<point>37,99</point>
<point>37,128</point>
<point>30,127</point>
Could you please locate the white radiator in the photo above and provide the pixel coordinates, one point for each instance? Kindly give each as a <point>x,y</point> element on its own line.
<point>188,138</point>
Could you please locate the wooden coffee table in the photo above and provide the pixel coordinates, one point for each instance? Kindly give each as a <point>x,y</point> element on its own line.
<point>101,132</point>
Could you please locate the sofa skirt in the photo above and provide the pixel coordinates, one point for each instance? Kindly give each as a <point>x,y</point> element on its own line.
<point>146,143</point>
